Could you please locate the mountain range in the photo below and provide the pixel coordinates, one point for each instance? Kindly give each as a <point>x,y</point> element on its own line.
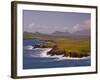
<point>78,34</point>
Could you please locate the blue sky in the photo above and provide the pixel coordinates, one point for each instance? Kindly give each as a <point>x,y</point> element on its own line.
<point>51,21</point>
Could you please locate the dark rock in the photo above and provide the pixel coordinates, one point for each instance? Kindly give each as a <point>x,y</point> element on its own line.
<point>56,51</point>
<point>76,54</point>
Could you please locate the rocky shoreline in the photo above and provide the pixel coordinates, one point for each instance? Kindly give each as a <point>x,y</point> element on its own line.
<point>57,51</point>
<point>66,54</point>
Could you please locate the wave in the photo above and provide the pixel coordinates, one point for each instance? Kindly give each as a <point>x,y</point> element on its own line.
<point>75,58</point>
<point>37,52</point>
<point>42,53</point>
<point>29,47</point>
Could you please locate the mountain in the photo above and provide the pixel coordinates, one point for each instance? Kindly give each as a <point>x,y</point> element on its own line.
<point>58,33</point>
<point>82,32</point>
<point>31,35</point>
<point>77,34</point>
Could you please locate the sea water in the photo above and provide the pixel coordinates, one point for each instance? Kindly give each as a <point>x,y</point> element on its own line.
<point>37,57</point>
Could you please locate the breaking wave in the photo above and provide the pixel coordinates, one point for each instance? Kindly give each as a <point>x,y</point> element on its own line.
<point>42,53</point>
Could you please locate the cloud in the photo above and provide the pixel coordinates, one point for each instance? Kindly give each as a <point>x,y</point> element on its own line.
<point>31,25</point>
<point>85,25</point>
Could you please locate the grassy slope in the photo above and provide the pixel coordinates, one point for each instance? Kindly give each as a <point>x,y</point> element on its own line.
<point>73,44</point>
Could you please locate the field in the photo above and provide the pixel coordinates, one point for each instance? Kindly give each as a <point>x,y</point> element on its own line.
<point>74,45</point>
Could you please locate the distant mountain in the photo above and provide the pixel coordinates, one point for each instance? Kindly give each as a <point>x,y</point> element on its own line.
<point>31,35</point>
<point>82,33</point>
<point>58,33</point>
<point>77,34</point>
<point>27,35</point>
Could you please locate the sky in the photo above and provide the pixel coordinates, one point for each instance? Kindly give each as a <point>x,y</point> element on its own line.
<point>50,21</point>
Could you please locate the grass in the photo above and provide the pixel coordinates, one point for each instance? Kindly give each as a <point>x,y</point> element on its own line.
<point>74,45</point>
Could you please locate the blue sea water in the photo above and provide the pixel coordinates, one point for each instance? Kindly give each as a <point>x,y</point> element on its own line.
<point>37,58</point>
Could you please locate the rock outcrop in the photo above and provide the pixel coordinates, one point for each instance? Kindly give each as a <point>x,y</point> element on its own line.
<point>56,51</point>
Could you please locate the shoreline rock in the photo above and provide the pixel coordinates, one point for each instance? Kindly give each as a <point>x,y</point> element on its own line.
<point>67,54</point>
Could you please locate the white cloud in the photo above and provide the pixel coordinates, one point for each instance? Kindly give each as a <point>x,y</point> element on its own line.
<point>85,25</point>
<point>31,25</point>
